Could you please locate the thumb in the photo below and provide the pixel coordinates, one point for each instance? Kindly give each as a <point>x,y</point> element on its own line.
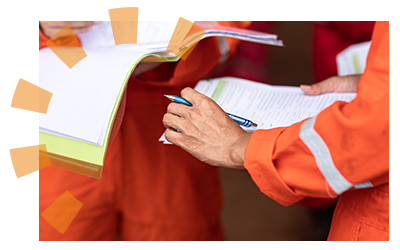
<point>326,86</point>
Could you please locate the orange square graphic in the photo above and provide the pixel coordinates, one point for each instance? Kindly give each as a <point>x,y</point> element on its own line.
<point>66,46</point>
<point>124,23</point>
<point>31,97</point>
<point>125,32</point>
<point>182,28</point>
<point>25,160</point>
<point>62,211</point>
<point>185,38</point>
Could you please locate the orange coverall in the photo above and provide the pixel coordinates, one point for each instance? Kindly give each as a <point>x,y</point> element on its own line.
<point>329,39</point>
<point>342,151</point>
<point>149,191</point>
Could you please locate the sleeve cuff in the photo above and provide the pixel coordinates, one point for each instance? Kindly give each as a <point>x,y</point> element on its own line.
<point>258,162</point>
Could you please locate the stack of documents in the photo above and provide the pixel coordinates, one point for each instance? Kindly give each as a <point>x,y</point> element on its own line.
<point>86,97</point>
<point>268,106</point>
<point>155,35</point>
<point>213,29</point>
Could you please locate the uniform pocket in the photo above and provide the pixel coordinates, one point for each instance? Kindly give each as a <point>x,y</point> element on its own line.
<point>371,233</point>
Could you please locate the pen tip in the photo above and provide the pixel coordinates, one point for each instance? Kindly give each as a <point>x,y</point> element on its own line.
<point>171,97</point>
<point>254,124</point>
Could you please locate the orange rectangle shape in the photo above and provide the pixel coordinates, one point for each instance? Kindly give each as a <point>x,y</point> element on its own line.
<point>191,40</point>
<point>124,32</point>
<point>185,38</point>
<point>124,14</point>
<point>66,46</point>
<point>124,23</point>
<point>62,211</point>
<point>25,160</point>
<point>26,96</point>
<point>182,28</point>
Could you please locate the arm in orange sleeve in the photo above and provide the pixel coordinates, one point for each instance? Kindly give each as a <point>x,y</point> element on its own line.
<point>207,54</point>
<point>42,39</point>
<point>60,41</point>
<point>345,147</point>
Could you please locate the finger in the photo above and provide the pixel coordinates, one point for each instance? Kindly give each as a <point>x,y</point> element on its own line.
<point>72,24</point>
<point>198,99</point>
<point>325,86</point>
<point>178,109</point>
<point>77,27</point>
<point>82,30</point>
<point>173,121</point>
<point>193,96</point>
<point>174,137</point>
<point>308,90</point>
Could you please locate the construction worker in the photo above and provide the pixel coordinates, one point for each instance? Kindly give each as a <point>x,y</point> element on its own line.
<point>343,151</point>
<point>328,39</point>
<point>148,191</point>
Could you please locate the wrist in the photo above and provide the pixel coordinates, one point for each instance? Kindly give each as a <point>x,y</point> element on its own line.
<point>238,151</point>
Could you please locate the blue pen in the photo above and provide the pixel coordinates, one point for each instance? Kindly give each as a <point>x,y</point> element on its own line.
<point>237,119</point>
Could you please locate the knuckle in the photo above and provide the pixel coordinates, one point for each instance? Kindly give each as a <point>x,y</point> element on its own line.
<point>185,91</point>
<point>195,114</point>
<point>165,117</point>
<point>174,108</point>
<point>206,102</point>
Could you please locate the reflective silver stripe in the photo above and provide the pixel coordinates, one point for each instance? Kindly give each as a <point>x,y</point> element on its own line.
<point>224,47</point>
<point>366,184</point>
<point>322,157</point>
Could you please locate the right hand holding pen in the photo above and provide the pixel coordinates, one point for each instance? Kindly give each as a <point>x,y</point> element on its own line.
<point>207,132</point>
<point>50,28</point>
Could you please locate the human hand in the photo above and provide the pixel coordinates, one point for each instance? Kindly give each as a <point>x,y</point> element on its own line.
<point>207,132</point>
<point>50,28</point>
<point>335,84</point>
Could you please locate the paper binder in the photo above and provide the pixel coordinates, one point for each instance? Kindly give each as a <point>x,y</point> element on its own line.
<point>88,159</point>
<point>84,158</point>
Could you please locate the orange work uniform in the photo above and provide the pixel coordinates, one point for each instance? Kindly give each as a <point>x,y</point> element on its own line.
<point>329,39</point>
<point>342,151</point>
<point>149,191</point>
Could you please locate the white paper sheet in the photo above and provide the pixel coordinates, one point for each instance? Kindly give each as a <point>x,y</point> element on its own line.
<point>156,35</point>
<point>268,106</point>
<point>353,59</point>
<point>84,96</point>
<point>151,34</point>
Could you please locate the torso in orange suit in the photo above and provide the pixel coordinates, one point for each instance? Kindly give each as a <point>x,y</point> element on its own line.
<point>149,191</point>
<point>342,151</point>
<point>329,39</point>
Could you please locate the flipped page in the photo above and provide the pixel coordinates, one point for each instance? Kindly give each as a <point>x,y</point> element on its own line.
<point>84,96</point>
<point>156,35</point>
<point>268,106</point>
